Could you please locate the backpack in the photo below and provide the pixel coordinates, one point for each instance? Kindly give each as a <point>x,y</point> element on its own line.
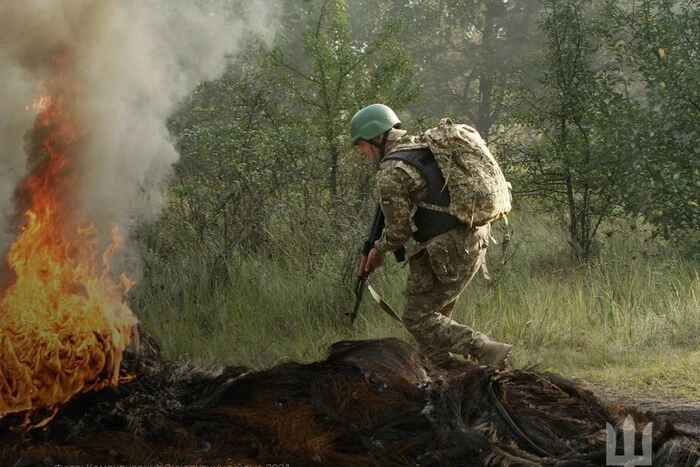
<point>479,192</point>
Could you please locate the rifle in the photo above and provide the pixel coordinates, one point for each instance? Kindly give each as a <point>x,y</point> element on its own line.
<point>374,234</point>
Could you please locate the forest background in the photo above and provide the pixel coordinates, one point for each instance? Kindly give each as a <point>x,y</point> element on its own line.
<point>592,109</point>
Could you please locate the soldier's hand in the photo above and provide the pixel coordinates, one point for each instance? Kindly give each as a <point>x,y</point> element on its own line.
<point>374,261</point>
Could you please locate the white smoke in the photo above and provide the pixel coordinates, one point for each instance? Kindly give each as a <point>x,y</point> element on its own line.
<point>133,61</point>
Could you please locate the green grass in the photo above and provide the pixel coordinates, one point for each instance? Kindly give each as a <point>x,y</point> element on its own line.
<point>629,319</point>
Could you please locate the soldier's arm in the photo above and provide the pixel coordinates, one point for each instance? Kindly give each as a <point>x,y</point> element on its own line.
<point>397,184</point>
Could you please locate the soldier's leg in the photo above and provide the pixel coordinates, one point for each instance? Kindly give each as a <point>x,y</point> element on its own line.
<point>431,297</point>
<point>438,355</point>
<point>426,300</point>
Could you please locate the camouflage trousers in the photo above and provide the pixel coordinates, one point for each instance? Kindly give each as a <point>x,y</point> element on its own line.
<point>439,272</point>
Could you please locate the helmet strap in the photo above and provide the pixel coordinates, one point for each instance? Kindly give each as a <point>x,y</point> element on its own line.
<point>381,145</point>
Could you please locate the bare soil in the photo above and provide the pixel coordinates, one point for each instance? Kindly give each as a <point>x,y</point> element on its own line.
<point>683,413</point>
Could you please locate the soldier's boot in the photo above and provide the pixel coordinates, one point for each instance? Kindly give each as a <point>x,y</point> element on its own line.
<point>488,352</point>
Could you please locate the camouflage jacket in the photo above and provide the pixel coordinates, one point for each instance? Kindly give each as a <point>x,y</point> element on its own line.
<point>399,187</point>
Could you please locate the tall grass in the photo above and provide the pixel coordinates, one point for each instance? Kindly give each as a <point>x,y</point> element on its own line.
<point>629,317</point>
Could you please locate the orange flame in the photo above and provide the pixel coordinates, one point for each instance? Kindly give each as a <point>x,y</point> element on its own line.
<point>64,323</point>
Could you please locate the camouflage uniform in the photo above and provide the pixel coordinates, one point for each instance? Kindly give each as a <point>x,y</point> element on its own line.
<point>440,268</point>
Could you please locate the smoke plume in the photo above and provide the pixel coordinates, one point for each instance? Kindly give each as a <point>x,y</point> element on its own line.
<point>131,62</point>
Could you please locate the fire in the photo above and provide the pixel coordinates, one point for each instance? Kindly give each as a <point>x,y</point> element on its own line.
<point>64,323</point>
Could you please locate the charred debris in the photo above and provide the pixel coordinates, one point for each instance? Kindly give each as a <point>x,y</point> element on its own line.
<point>374,402</point>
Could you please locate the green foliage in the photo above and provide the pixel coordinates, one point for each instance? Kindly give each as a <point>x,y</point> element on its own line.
<point>612,137</point>
<point>237,159</point>
<point>572,164</point>
<point>463,53</point>
<point>333,75</point>
<point>657,42</point>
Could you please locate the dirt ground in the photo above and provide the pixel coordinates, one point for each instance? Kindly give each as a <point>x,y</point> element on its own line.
<point>683,413</point>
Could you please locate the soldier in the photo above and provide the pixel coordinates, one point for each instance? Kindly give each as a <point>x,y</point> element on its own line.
<point>446,254</point>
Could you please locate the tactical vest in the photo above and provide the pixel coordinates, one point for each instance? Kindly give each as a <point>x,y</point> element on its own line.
<point>429,223</point>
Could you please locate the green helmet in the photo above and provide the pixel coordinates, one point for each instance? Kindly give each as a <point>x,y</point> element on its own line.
<point>372,121</point>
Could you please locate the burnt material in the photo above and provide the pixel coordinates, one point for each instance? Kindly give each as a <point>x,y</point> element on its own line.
<point>373,402</point>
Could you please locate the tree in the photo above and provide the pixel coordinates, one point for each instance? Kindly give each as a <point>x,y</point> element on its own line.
<point>465,50</point>
<point>657,43</point>
<point>333,75</point>
<point>574,162</point>
<point>235,160</point>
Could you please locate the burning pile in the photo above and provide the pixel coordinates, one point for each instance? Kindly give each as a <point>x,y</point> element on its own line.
<point>108,75</point>
<point>64,322</point>
<point>369,403</point>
